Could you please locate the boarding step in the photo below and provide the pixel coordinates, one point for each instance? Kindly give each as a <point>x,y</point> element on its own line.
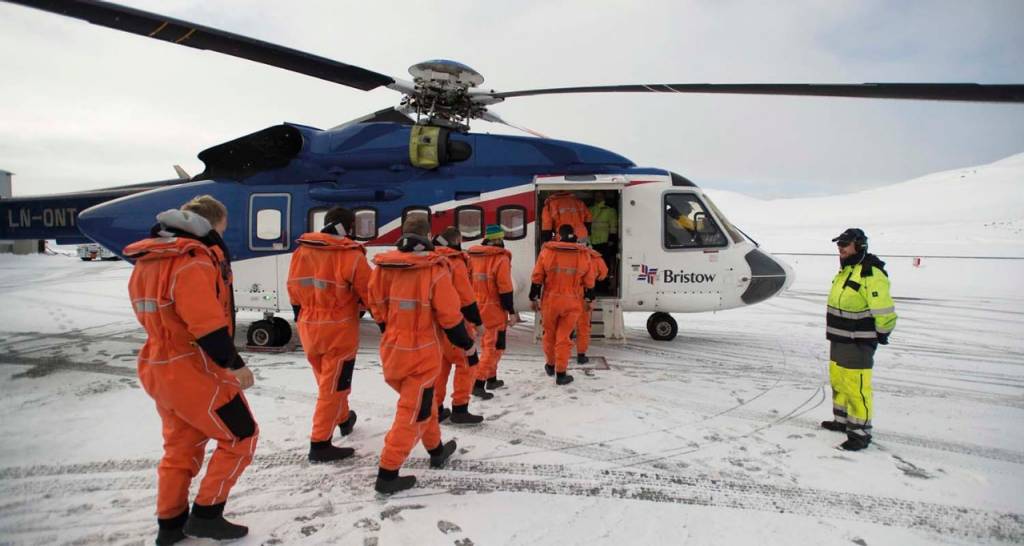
<point>606,321</point>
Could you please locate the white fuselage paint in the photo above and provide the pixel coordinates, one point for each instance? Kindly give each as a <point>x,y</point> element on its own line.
<point>683,280</point>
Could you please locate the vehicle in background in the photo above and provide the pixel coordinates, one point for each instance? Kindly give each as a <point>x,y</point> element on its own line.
<point>90,251</point>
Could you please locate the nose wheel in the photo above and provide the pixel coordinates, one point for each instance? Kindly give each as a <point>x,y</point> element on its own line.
<point>662,327</point>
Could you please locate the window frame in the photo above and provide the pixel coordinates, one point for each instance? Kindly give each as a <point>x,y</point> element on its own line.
<point>503,208</point>
<point>483,221</point>
<point>411,208</point>
<point>709,215</point>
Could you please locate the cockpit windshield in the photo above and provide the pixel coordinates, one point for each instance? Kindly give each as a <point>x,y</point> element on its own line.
<point>734,233</point>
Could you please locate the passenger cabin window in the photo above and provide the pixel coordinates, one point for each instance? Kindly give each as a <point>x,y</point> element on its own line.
<point>513,222</point>
<point>413,212</point>
<point>268,224</point>
<point>687,223</point>
<point>470,221</point>
<point>366,224</point>
<point>316,219</point>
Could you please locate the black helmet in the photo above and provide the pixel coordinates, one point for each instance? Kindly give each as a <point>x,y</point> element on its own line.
<point>852,235</point>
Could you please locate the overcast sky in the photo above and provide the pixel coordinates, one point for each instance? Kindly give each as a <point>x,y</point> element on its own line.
<point>83,106</point>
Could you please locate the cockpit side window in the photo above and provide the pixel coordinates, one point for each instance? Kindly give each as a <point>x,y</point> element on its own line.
<point>687,223</point>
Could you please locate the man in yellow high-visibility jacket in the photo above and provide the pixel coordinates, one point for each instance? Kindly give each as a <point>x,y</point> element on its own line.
<point>860,316</point>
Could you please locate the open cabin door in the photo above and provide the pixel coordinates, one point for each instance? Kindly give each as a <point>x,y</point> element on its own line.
<point>600,193</point>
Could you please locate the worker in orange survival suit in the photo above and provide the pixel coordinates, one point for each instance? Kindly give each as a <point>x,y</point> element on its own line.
<point>180,290</point>
<point>561,208</point>
<point>411,295</point>
<point>583,326</point>
<point>449,245</point>
<point>562,271</point>
<point>327,281</point>
<point>491,268</point>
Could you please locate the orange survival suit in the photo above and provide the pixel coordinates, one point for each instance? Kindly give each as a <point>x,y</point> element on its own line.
<point>583,326</point>
<point>564,270</point>
<point>564,208</point>
<point>491,268</point>
<point>465,365</point>
<point>180,290</point>
<point>411,294</point>
<point>327,281</point>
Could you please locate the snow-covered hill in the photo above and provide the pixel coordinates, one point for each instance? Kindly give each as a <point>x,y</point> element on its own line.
<point>964,212</point>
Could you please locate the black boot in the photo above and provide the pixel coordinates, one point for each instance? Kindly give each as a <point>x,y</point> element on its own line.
<point>350,423</point>
<point>582,358</point>
<point>461,416</point>
<point>171,529</point>
<point>388,481</point>
<point>855,442</point>
<point>324,452</point>
<point>563,379</point>
<point>442,413</point>
<point>495,383</point>
<point>209,522</point>
<point>480,392</point>
<point>440,454</point>
<point>550,370</point>
<point>834,426</point>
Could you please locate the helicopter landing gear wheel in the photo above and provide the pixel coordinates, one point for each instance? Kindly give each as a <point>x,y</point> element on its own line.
<point>662,327</point>
<point>283,331</point>
<point>262,333</point>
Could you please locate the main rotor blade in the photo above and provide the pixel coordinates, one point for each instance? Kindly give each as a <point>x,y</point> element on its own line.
<point>196,36</point>
<point>968,92</point>
<point>495,118</point>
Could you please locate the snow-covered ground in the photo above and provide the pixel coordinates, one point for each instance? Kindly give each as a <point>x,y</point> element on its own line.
<point>711,438</point>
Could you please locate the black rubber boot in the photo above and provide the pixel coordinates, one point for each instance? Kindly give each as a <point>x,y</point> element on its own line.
<point>388,482</point>
<point>346,428</point>
<point>480,392</point>
<point>440,454</point>
<point>834,426</point>
<point>494,383</point>
<point>324,452</point>
<point>549,369</point>
<point>209,522</point>
<point>855,442</point>
<point>563,379</point>
<point>582,358</point>
<point>171,529</point>
<point>442,413</point>
<point>461,416</point>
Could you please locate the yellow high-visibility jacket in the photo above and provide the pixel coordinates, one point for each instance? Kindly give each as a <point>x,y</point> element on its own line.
<point>859,305</point>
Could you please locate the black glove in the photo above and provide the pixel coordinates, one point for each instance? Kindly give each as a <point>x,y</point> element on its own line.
<point>381,325</point>
<point>534,292</point>
<point>588,294</point>
<point>883,339</point>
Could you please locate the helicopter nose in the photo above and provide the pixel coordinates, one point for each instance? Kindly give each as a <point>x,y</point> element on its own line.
<point>790,274</point>
<point>768,276</point>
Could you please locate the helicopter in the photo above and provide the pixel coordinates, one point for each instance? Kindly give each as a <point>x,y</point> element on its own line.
<point>677,252</point>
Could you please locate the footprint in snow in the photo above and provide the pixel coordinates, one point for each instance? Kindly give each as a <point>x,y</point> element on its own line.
<point>449,528</point>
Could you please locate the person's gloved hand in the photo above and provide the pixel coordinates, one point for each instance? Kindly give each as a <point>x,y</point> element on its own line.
<point>883,339</point>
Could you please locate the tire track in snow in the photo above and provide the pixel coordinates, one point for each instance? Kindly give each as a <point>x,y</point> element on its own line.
<point>288,471</point>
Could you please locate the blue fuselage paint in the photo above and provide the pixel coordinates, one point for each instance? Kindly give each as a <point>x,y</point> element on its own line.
<point>365,165</point>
